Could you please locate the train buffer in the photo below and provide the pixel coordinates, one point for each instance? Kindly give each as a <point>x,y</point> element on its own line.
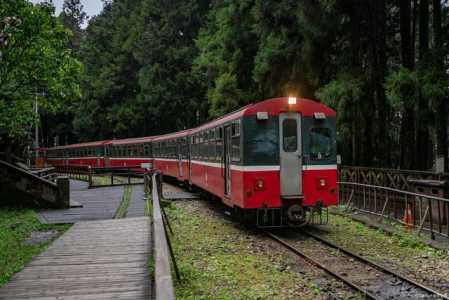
<point>106,259</point>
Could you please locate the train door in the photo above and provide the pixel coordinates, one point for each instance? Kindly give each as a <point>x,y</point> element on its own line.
<point>227,159</point>
<point>180,153</point>
<point>107,154</point>
<point>189,158</point>
<point>290,154</point>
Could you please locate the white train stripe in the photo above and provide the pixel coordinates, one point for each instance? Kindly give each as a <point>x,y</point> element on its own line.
<point>255,168</point>
<point>319,167</point>
<point>130,158</point>
<point>166,159</point>
<point>207,163</point>
<point>215,164</point>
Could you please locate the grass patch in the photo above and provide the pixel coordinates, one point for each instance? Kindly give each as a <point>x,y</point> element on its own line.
<point>124,204</point>
<point>219,261</point>
<point>16,226</point>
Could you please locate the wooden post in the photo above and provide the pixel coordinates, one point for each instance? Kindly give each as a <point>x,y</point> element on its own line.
<point>63,184</point>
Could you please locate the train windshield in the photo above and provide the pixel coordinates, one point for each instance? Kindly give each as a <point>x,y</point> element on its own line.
<point>320,143</point>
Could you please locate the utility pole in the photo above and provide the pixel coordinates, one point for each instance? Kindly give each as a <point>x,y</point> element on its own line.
<point>36,127</point>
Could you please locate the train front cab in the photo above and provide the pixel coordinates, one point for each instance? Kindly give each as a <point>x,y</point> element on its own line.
<point>290,163</point>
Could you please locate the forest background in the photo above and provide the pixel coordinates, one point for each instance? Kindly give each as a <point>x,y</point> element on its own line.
<point>146,67</point>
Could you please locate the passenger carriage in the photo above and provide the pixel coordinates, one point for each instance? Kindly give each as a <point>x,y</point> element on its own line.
<point>273,161</point>
<point>87,154</point>
<point>132,152</point>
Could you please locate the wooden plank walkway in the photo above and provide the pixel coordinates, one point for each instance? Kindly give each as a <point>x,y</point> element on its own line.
<point>137,204</point>
<point>105,259</point>
<point>98,204</point>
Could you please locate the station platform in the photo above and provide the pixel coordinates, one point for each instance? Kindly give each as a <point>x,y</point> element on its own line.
<point>105,259</point>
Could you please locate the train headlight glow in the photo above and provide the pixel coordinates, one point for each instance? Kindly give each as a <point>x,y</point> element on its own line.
<point>321,183</point>
<point>291,100</point>
<point>259,185</point>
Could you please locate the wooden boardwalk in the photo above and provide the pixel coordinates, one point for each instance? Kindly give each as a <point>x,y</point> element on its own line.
<point>105,259</point>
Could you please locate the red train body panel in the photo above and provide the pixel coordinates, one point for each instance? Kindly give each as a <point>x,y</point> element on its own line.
<point>278,155</point>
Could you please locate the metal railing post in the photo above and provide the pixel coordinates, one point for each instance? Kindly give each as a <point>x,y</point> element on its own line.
<point>397,199</point>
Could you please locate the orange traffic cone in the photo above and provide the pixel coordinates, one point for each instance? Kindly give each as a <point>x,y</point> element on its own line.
<point>408,217</point>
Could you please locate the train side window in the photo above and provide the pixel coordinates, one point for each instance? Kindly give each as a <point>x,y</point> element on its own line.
<point>320,143</point>
<point>235,141</point>
<point>192,146</point>
<point>290,135</point>
<point>236,128</point>
<point>220,144</point>
<point>212,147</point>
<point>196,141</point>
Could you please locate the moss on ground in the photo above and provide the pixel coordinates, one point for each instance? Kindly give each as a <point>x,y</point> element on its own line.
<point>219,261</point>
<point>16,225</point>
<point>122,210</point>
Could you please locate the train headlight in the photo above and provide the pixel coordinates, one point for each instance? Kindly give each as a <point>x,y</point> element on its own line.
<point>259,185</point>
<point>321,183</point>
<point>291,100</point>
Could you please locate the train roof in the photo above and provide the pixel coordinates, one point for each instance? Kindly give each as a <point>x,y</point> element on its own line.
<point>273,107</point>
<point>173,135</point>
<point>87,144</point>
<point>139,140</point>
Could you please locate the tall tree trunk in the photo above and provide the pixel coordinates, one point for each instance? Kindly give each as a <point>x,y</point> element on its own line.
<point>442,113</point>
<point>357,127</point>
<point>380,70</point>
<point>423,28</point>
<point>406,37</point>
<point>407,131</point>
<point>423,155</point>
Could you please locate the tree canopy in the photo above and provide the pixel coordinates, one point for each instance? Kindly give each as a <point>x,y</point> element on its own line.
<point>35,66</point>
<point>152,67</point>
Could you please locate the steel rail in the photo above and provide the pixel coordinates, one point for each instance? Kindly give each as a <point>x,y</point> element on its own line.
<point>316,263</point>
<point>376,265</point>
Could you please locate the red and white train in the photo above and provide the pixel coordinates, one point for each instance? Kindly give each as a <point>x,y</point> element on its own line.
<point>273,160</point>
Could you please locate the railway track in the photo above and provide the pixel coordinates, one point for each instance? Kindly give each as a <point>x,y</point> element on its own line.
<point>366,277</point>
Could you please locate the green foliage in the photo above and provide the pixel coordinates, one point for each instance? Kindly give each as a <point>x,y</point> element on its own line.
<point>35,65</point>
<point>434,85</point>
<point>401,88</point>
<point>15,227</point>
<point>345,95</point>
<point>73,17</point>
<point>152,67</point>
<point>342,94</point>
<point>225,96</point>
<point>227,46</point>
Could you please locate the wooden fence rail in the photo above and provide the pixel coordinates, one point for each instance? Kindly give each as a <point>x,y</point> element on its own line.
<point>392,178</point>
<point>164,289</point>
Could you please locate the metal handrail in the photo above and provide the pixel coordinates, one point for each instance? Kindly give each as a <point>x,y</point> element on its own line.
<point>394,190</point>
<point>163,279</point>
<point>425,212</point>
